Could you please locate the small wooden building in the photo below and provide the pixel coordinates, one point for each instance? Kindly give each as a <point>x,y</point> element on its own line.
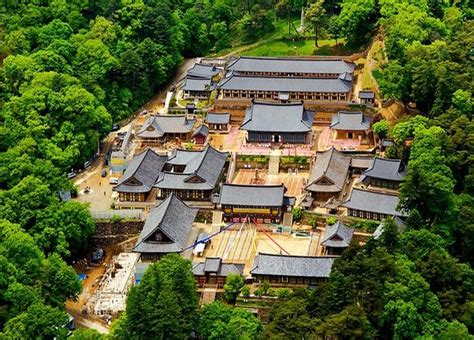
<point>192,175</point>
<point>218,122</point>
<point>164,128</point>
<point>200,135</point>
<point>213,272</point>
<point>351,125</point>
<point>367,97</point>
<point>336,238</point>
<point>200,81</point>
<point>140,176</point>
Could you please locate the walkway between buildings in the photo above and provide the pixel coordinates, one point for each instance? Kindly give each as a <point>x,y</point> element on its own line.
<point>274,162</point>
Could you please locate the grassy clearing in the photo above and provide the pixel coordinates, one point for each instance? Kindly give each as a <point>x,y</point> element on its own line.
<point>280,43</point>
<point>376,60</point>
<point>281,30</point>
<point>283,47</point>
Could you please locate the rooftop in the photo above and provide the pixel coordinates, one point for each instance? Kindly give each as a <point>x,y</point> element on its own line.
<point>215,266</point>
<point>285,84</point>
<point>385,168</point>
<point>290,65</point>
<point>348,120</point>
<point>197,84</point>
<point>167,227</point>
<point>157,126</point>
<point>293,266</point>
<point>218,118</point>
<point>142,172</point>
<point>366,94</point>
<point>329,171</point>
<point>277,117</point>
<point>252,195</point>
<point>337,235</point>
<point>375,202</point>
<point>202,169</point>
<point>203,70</point>
<point>201,130</point>
<point>362,162</point>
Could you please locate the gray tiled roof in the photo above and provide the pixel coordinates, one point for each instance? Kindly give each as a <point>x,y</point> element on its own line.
<point>375,202</point>
<point>292,266</point>
<point>201,130</point>
<point>277,117</point>
<point>252,195</point>
<point>203,70</point>
<point>346,76</point>
<point>210,266</point>
<point>197,84</point>
<point>174,219</point>
<point>162,124</point>
<point>206,165</point>
<point>337,235</point>
<point>218,118</point>
<point>142,172</point>
<point>361,162</point>
<point>329,171</point>
<point>366,94</point>
<point>283,84</point>
<point>290,65</point>
<point>389,169</point>
<point>348,120</point>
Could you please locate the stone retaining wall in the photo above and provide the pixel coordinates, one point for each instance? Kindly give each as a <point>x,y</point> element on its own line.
<point>112,233</point>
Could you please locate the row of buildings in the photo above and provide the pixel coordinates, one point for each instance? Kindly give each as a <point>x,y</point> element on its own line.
<point>315,81</point>
<point>198,176</point>
<point>264,122</point>
<point>374,194</point>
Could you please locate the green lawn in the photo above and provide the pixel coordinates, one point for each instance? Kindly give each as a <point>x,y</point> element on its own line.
<point>283,47</point>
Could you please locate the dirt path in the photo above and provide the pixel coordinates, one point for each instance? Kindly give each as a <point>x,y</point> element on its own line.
<point>81,322</point>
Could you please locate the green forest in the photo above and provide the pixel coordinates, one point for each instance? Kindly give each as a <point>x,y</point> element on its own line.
<point>72,68</point>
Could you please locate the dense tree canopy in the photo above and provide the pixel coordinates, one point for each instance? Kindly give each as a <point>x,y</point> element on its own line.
<point>164,305</point>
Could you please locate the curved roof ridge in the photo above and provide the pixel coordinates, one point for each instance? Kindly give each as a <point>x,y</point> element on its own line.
<point>302,256</point>
<point>254,185</point>
<point>293,103</point>
<point>143,155</point>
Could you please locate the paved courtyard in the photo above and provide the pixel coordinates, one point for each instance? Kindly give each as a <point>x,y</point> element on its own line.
<point>293,182</point>
<point>245,240</point>
<point>235,141</point>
